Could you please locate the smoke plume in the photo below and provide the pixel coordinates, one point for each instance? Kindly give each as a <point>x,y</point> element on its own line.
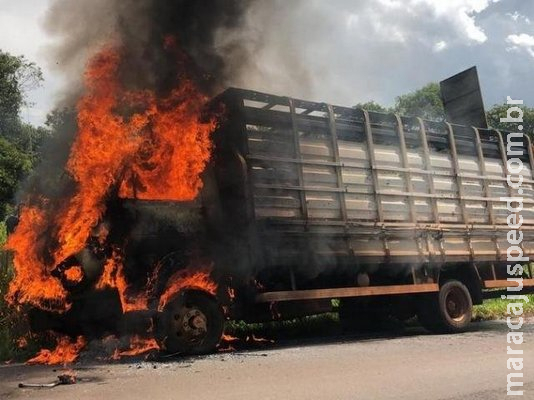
<point>143,29</point>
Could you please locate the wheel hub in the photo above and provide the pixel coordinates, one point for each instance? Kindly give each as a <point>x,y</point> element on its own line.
<point>456,305</point>
<point>190,324</point>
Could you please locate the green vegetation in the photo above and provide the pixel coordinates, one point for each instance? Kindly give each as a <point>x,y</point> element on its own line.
<point>3,234</point>
<point>373,106</point>
<point>497,112</point>
<point>426,103</point>
<point>20,142</point>
<point>328,324</point>
<point>6,340</point>
<point>303,327</point>
<point>7,348</point>
<point>496,309</point>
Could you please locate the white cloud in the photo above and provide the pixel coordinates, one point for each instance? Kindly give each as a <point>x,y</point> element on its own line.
<point>461,14</point>
<point>394,4</point>
<point>400,21</point>
<point>516,17</point>
<point>439,46</point>
<point>520,42</point>
<point>403,21</point>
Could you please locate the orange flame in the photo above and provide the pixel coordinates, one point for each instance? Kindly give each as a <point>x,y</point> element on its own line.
<point>32,282</point>
<point>113,277</point>
<point>175,152</point>
<point>66,352</point>
<point>190,279</point>
<point>229,338</point>
<point>138,345</point>
<point>148,147</point>
<point>74,274</point>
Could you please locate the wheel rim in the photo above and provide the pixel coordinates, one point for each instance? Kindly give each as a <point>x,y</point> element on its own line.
<point>189,324</point>
<point>456,304</point>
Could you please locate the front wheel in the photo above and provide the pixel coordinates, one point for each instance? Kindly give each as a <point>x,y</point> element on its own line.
<point>193,323</point>
<point>449,311</point>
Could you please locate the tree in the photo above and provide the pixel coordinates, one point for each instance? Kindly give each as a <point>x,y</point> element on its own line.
<point>14,164</point>
<point>373,106</point>
<point>18,140</point>
<point>17,77</point>
<point>425,103</point>
<point>497,112</point>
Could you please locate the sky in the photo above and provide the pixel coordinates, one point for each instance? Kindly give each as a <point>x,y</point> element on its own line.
<point>22,33</point>
<point>339,51</point>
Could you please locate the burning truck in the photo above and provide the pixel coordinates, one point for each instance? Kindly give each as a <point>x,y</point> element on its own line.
<point>264,207</point>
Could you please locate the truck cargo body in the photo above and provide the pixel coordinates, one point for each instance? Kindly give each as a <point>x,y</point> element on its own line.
<point>314,191</point>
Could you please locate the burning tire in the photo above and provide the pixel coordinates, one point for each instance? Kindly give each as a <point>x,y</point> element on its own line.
<point>193,323</point>
<point>449,311</point>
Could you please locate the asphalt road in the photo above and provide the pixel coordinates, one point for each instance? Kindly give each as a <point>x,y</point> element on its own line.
<point>470,366</point>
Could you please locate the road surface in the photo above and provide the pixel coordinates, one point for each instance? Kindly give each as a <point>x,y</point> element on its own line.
<point>414,366</point>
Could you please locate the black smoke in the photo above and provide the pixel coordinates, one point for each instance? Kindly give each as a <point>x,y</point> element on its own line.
<point>161,40</point>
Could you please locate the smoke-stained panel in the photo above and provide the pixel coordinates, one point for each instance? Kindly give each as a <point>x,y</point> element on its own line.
<point>462,99</point>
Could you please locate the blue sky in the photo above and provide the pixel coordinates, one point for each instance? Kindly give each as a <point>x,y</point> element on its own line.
<point>339,51</point>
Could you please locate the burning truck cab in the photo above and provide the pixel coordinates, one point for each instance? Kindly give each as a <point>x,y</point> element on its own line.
<point>302,203</point>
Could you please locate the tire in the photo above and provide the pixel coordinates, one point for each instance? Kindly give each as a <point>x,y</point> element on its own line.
<point>192,324</point>
<point>449,311</point>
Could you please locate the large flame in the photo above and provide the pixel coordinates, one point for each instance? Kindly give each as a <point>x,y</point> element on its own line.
<point>32,282</point>
<point>174,153</point>
<point>148,147</point>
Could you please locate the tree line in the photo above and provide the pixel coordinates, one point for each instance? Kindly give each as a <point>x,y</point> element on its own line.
<point>426,103</point>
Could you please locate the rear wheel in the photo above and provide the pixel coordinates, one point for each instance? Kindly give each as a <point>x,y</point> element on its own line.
<point>449,311</point>
<point>192,324</point>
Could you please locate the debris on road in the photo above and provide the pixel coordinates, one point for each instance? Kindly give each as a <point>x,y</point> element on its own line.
<point>67,378</point>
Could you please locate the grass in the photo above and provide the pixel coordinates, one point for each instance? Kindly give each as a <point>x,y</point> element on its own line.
<point>6,273</point>
<point>328,324</point>
<point>303,327</point>
<point>497,309</point>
